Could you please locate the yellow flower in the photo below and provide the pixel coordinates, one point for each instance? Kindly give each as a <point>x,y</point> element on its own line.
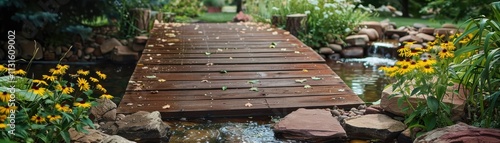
<point>82,104</point>
<point>444,53</point>
<point>3,68</point>
<point>40,91</point>
<point>82,72</point>
<point>38,82</point>
<point>53,117</point>
<point>403,62</point>
<point>62,67</point>
<point>101,75</point>
<point>2,118</point>
<point>83,84</point>
<point>5,96</point>
<point>403,52</point>
<point>65,89</point>
<point>19,72</point>
<point>3,126</point>
<point>94,79</point>
<point>106,96</point>
<point>37,119</point>
<point>448,46</point>
<point>428,69</point>
<point>404,69</point>
<point>64,108</point>
<point>99,87</point>
<point>49,78</point>
<point>413,65</point>
<point>7,109</point>
<point>57,71</point>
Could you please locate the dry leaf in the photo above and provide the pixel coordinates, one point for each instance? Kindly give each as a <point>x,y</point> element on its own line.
<point>307,86</point>
<point>283,49</point>
<point>170,44</point>
<point>204,80</point>
<point>166,106</point>
<point>300,80</point>
<point>150,46</point>
<point>154,92</point>
<point>297,52</point>
<point>130,104</point>
<point>162,80</point>
<point>248,104</point>
<point>305,70</point>
<point>341,90</point>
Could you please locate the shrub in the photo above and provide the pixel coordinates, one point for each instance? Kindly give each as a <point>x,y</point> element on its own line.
<point>214,3</point>
<point>44,109</point>
<point>187,8</point>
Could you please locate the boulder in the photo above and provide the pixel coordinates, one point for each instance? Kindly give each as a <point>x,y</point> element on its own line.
<point>109,127</point>
<point>310,125</point>
<point>28,50</point>
<point>73,58</point>
<point>372,34</point>
<point>124,42</point>
<point>89,50</point>
<point>353,52</point>
<point>93,136</point>
<point>411,38</point>
<point>99,39</point>
<point>109,45</point>
<point>427,30</point>
<point>374,109</point>
<point>325,51</point>
<point>97,52</point>
<point>138,47</point>
<point>58,50</point>
<point>115,139</point>
<point>335,47</point>
<point>143,125</point>
<point>449,25</point>
<point>242,17</point>
<point>445,31</point>
<point>78,45</point>
<point>141,39</point>
<point>426,37</point>
<point>49,56</point>
<point>460,133</point>
<point>377,26</point>
<point>124,54</point>
<point>400,33</point>
<point>391,105</point>
<point>105,110</point>
<point>357,40</point>
<point>373,126</point>
<point>419,25</point>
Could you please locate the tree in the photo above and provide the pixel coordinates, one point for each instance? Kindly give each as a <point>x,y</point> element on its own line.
<point>458,9</point>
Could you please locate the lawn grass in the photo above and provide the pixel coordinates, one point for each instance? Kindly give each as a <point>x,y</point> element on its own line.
<point>404,21</point>
<point>216,17</point>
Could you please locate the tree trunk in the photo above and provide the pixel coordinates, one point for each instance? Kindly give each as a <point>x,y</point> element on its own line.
<point>160,17</point>
<point>238,6</point>
<point>276,21</point>
<point>296,23</point>
<point>406,8</point>
<point>141,18</point>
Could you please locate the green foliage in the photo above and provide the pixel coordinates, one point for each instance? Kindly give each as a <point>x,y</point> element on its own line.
<point>44,110</point>
<point>458,9</point>
<point>478,68</point>
<point>188,8</point>
<point>214,3</point>
<point>326,20</point>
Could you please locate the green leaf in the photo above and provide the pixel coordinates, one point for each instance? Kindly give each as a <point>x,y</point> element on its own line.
<point>208,53</point>
<point>48,101</point>
<point>37,126</point>
<point>224,88</point>
<point>42,137</point>
<point>254,89</point>
<point>430,121</point>
<point>223,71</point>
<point>415,91</point>
<point>253,81</point>
<point>65,135</point>
<point>150,76</point>
<point>300,80</point>
<point>432,103</point>
<point>316,78</point>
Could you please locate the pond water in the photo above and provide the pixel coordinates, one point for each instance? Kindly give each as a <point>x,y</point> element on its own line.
<point>359,74</point>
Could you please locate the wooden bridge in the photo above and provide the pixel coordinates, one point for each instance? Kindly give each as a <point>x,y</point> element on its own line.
<point>233,69</point>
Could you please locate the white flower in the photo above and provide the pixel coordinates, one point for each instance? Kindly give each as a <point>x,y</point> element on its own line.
<point>313,2</point>
<point>275,8</point>
<point>338,12</point>
<point>316,8</point>
<point>325,15</point>
<point>307,12</point>
<point>357,1</point>
<point>347,30</point>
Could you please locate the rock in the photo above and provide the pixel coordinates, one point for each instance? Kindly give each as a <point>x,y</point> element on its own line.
<point>310,125</point>
<point>391,105</point>
<point>242,17</point>
<point>124,54</point>
<point>334,56</point>
<point>120,116</point>
<point>395,36</point>
<point>460,133</point>
<point>426,30</point>
<point>371,110</point>
<point>357,40</point>
<point>400,33</point>
<point>335,47</point>
<point>325,51</point>
<point>425,37</point>
<point>68,54</point>
<point>138,47</point>
<point>97,52</point>
<point>78,45</point>
<point>115,139</point>
<point>73,58</point>
<point>141,39</point>
<point>447,31</point>
<point>109,127</point>
<point>86,57</point>
<point>89,50</point>
<point>377,26</point>
<point>412,32</point>
<point>449,25</point>
<point>411,38</point>
<point>93,136</point>
<point>406,136</point>
<point>124,42</point>
<point>79,53</point>
<point>414,46</point>
<point>109,45</point>
<point>143,125</point>
<point>105,110</point>
<point>336,112</point>
<point>419,25</point>
<point>99,39</point>
<point>373,126</point>
<point>353,52</point>
<point>28,50</point>
<point>58,50</point>
<point>49,56</point>
<point>370,32</point>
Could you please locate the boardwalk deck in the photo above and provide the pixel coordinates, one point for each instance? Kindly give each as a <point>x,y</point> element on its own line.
<point>184,68</point>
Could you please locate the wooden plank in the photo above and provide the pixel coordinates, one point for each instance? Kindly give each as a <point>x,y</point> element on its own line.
<point>216,51</point>
<point>235,61</point>
<point>141,68</point>
<point>225,55</point>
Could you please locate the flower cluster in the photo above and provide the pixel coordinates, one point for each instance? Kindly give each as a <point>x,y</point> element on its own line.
<point>46,108</point>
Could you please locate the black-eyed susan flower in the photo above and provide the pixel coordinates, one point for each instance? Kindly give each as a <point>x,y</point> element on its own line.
<point>49,78</point>
<point>4,96</point>
<point>82,72</point>
<point>53,117</point>
<point>3,69</point>
<point>424,62</point>
<point>19,72</point>
<point>3,126</point>
<point>404,69</point>
<point>37,119</point>
<point>82,104</point>
<point>57,71</point>
<point>40,91</point>
<point>94,79</point>
<point>428,69</point>
<point>64,108</point>
<point>39,82</point>
<point>444,53</point>
<point>413,65</point>
<point>62,67</point>
<point>99,87</point>
<point>2,118</point>
<point>101,75</point>
<point>106,96</point>
<point>83,84</point>
<point>65,89</point>
<point>7,109</point>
